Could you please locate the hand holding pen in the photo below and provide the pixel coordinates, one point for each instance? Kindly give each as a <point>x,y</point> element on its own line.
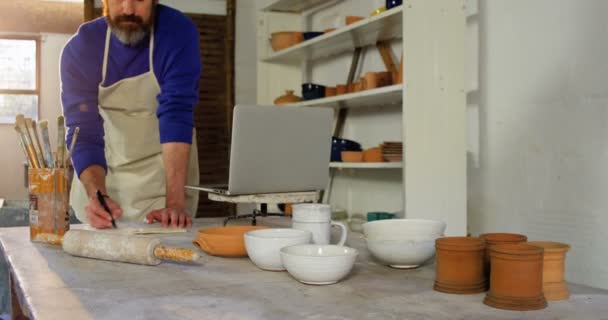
<point>102,211</point>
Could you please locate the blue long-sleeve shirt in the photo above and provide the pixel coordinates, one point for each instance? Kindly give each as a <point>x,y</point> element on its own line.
<point>177,66</point>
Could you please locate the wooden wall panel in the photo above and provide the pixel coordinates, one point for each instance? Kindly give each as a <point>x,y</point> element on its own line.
<point>211,116</point>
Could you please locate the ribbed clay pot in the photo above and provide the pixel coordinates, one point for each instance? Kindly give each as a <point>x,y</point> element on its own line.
<point>554,258</point>
<point>492,239</point>
<point>459,265</point>
<point>516,281</point>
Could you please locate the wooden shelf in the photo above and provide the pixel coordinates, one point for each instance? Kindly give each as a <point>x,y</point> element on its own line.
<point>373,97</point>
<point>366,165</point>
<point>385,26</point>
<point>293,6</point>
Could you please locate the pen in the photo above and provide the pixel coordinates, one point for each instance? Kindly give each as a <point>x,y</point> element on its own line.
<point>105,207</point>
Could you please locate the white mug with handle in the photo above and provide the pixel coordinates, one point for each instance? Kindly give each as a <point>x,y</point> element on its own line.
<point>316,218</point>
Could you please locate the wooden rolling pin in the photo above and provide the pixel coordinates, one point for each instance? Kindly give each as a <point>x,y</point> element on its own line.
<point>123,248</point>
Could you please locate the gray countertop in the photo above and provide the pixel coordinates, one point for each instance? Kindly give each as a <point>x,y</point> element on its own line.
<point>55,285</point>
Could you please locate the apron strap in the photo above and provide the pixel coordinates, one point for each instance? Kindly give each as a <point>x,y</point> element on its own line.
<point>107,49</point>
<point>105,57</point>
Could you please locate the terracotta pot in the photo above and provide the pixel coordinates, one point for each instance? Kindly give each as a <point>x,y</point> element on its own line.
<point>350,88</point>
<point>371,80</point>
<point>498,238</point>
<point>329,30</point>
<point>353,19</point>
<point>516,281</point>
<point>352,156</point>
<point>330,91</point>
<point>373,155</point>
<point>287,98</point>
<point>554,256</point>
<point>282,40</point>
<point>459,265</point>
<point>385,78</point>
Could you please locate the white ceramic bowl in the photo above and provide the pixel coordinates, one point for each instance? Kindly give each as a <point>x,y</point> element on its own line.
<point>403,254</point>
<point>318,264</point>
<point>264,246</point>
<point>404,229</point>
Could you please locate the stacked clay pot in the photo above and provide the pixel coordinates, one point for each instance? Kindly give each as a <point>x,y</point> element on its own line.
<point>554,285</point>
<point>492,239</point>
<point>516,279</point>
<point>459,265</point>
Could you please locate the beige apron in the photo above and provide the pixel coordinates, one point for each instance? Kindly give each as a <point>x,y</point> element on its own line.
<point>136,174</point>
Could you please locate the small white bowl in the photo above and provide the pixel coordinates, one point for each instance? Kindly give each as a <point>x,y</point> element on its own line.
<point>403,254</point>
<point>404,229</point>
<point>318,264</point>
<point>264,245</point>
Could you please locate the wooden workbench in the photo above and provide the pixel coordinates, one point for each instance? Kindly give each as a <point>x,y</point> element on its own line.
<point>50,284</point>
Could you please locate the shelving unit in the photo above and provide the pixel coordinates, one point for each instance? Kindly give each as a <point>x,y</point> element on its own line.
<point>380,96</point>
<point>385,26</point>
<point>366,165</point>
<point>432,101</point>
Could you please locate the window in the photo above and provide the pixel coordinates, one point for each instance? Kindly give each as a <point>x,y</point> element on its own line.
<point>19,77</point>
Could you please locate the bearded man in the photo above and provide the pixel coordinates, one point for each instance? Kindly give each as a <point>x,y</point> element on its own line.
<point>129,80</point>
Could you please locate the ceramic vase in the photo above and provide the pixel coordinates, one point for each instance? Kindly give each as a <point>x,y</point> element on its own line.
<point>459,265</point>
<point>516,280</point>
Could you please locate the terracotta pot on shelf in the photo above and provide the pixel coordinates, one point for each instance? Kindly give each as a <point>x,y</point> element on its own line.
<point>350,88</point>
<point>385,78</point>
<point>329,30</point>
<point>554,258</point>
<point>353,19</point>
<point>341,89</point>
<point>516,281</point>
<point>371,80</point>
<point>352,156</point>
<point>286,39</point>
<point>373,155</point>
<point>330,91</point>
<point>459,265</point>
<point>492,239</point>
<point>287,98</point>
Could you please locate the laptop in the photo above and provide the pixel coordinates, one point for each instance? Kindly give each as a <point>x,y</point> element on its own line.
<point>276,150</point>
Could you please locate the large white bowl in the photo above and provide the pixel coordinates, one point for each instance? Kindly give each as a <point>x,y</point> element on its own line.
<point>404,229</point>
<point>318,264</point>
<point>264,246</point>
<point>403,254</point>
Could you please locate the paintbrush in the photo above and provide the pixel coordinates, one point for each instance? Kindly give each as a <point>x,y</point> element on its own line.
<point>20,122</point>
<point>60,141</point>
<point>30,129</point>
<point>38,146</point>
<point>73,142</point>
<point>22,144</point>
<point>46,143</point>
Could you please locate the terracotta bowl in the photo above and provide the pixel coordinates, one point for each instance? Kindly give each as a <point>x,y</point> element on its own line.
<point>352,156</point>
<point>286,39</point>
<point>353,19</point>
<point>373,155</point>
<point>224,241</point>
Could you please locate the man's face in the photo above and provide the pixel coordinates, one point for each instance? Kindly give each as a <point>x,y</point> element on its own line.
<point>130,20</point>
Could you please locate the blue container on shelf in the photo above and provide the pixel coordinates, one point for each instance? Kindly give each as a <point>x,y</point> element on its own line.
<point>393,3</point>
<point>311,34</point>
<point>311,91</point>
<point>338,145</point>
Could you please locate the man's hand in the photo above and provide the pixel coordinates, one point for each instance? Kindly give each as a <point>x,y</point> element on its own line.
<point>100,218</point>
<point>170,217</point>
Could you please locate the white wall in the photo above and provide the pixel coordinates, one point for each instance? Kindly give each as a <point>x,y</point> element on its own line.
<point>11,162</point>
<point>245,54</point>
<point>543,125</point>
<point>192,6</point>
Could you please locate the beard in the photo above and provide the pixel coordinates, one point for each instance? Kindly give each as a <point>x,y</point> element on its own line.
<point>130,29</point>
